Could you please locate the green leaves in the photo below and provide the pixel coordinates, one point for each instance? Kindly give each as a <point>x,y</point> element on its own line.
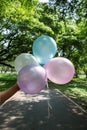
<point>19,27</point>
<point>22,21</point>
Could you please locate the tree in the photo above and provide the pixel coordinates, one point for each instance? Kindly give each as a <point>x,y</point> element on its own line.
<point>19,27</point>
<point>83,38</point>
<point>73,42</point>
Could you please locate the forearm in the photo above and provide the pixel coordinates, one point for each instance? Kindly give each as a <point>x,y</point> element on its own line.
<point>8,93</point>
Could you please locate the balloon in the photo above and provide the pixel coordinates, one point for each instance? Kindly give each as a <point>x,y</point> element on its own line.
<point>32,79</point>
<point>44,48</point>
<point>23,60</point>
<point>59,70</point>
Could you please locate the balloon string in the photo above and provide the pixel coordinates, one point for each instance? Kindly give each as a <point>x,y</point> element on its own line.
<point>58,53</point>
<point>48,101</point>
<point>26,96</point>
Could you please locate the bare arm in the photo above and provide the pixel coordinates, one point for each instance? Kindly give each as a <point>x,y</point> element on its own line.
<point>6,94</point>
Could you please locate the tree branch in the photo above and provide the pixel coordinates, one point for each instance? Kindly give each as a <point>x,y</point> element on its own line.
<point>5,64</point>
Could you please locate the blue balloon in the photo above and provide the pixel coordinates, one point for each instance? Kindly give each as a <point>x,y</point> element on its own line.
<point>44,48</point>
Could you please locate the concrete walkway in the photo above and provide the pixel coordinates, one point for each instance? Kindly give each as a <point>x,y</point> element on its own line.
<point>49,110</point>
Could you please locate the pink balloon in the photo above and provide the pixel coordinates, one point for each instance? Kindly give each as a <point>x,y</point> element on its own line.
<point>32,79</point>
<point>60,70</point>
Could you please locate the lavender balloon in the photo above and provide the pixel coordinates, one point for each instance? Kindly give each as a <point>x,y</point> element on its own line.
<point>60,70</point>
<point>32,79</point>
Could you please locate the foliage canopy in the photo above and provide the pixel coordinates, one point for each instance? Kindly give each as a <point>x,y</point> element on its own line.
<point>22,21</point>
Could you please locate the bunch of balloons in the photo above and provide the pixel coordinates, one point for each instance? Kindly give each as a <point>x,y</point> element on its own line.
<point>32,77</point>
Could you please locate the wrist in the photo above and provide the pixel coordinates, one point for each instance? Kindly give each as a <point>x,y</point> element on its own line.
<point>16,87</point>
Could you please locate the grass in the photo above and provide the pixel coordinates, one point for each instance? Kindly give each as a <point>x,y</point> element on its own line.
<point>76,89</point>
<point>7,80</point>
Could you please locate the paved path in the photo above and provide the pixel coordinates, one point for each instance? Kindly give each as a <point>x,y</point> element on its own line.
<point>49,110</point>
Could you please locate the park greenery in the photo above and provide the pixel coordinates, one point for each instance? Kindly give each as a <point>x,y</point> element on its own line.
<point>22,21</point>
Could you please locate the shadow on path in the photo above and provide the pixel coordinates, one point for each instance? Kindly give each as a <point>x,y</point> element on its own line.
<point>49,110</point>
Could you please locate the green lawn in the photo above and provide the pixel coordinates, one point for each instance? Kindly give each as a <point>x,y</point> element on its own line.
<point>7,80</point>
<point>76,89</point>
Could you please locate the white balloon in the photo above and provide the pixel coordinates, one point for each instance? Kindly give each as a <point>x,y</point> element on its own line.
<point>24,59</point>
